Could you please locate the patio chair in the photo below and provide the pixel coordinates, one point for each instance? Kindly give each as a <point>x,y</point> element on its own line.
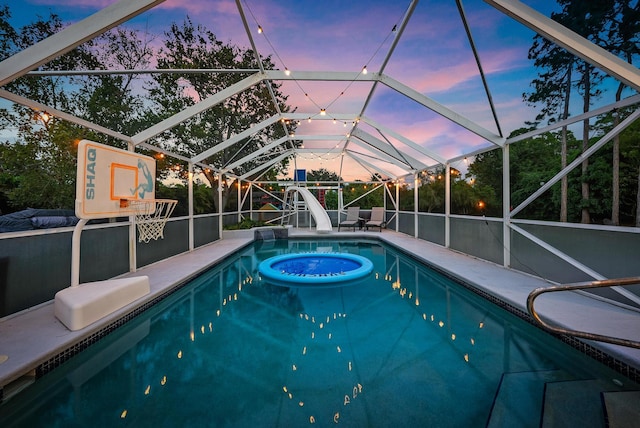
<point>377,218</point>
<point>353,218</point>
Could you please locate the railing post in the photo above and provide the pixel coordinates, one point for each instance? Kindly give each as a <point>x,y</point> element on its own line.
<point>220,208</point>
<point>416,181</point>
<point>506,208</point>
<point>581,286</point>
<point>447,206</point>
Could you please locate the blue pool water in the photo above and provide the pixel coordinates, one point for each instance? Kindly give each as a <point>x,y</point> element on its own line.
<point>314,265</point>
<point>407,347</point>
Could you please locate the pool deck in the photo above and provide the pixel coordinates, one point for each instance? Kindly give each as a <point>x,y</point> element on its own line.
<point>34,336</point>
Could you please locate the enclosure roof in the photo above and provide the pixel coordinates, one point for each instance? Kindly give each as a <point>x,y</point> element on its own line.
<point>370,137</point>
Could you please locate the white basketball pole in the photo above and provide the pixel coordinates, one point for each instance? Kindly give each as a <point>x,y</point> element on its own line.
<point>75,253</point>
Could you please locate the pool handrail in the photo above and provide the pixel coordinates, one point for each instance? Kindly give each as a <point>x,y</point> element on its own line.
<point>582,286</point>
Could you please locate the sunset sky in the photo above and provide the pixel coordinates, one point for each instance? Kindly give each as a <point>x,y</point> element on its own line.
<point>433,57</point>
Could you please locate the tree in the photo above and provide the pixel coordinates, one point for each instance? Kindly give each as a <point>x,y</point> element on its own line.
<point>553,88</point>
<point>533,162</point>
<point>588,19</point>
<point>362,192</point>
<point>202,198</point>
<point>38,164</point>
<point>38,168</point>
<point>623,40</point>
<point>629,167</point>
<point>193,46</point>
<point>112,100</point>
<point>431,192</point>
<point>486,173</point>
<point>322,175</point>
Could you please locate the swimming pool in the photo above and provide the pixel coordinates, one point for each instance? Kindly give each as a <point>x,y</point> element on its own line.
<point>405,347</point>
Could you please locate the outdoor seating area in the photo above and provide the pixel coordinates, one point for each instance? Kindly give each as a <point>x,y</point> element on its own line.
<point>356,219</point>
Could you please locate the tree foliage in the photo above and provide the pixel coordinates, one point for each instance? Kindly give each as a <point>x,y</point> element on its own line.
<point>190,46</point>
<point>465,197</point>
<point>614,25</point>
<point>322,175</point>
<point>536,160</point>
<point>41,156</point>
<point>37,169</point>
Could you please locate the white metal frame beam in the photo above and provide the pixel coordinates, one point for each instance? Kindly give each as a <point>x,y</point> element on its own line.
<point>392,48</point>
<point>62,115</point>
<point>635,99</point>
<point>397,86</point>
<point>266,165</point>
<point>382,155</point>
<point>485,84</point>
<point>387,131</point>
<point>253,155</point>
<point>70,37</point>
<point>327,76</point>
<point>368,165</point>
<point>195,109</point>
<point>442,110</point>
<point>142,71</point>
<point>304,150</point>
<point>322,76</point>
<point>236,138</point>
<point>319,137</point>
<point>578,161</point>
<point>404,160</point>
<point>178,156</point>
<point>571,41</point>
<point>315,116</point>
<point>259,61</point>
<point>573,262</point>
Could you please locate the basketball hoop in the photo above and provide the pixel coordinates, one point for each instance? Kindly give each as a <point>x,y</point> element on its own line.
<point>151,216</point>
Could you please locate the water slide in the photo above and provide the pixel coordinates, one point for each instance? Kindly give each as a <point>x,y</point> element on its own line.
<point>323,222</point>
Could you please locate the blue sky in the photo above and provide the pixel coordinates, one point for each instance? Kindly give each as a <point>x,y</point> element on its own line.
<point>433,57</point>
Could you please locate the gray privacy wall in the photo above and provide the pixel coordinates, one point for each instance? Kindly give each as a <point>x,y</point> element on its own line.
<point>35,266</point>
<point>613,252</point>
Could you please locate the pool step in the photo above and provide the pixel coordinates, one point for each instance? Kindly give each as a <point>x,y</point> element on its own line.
<point>622,408</point>
<point>574,403</point>
<point>520,398</point>
<point>554,399</point>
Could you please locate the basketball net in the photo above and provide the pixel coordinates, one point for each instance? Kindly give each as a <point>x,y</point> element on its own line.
<point>150,221</point>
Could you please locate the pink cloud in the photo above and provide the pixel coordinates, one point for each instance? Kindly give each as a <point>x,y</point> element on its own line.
<point>433,77</point>
<point>89,4</point>
<point>192,7</point>
<point>307,41</point>
<point>197,8</point>
<point>335,97</point>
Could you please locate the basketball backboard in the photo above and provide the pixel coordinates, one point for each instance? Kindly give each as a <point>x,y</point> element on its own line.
<point>107,176</point>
